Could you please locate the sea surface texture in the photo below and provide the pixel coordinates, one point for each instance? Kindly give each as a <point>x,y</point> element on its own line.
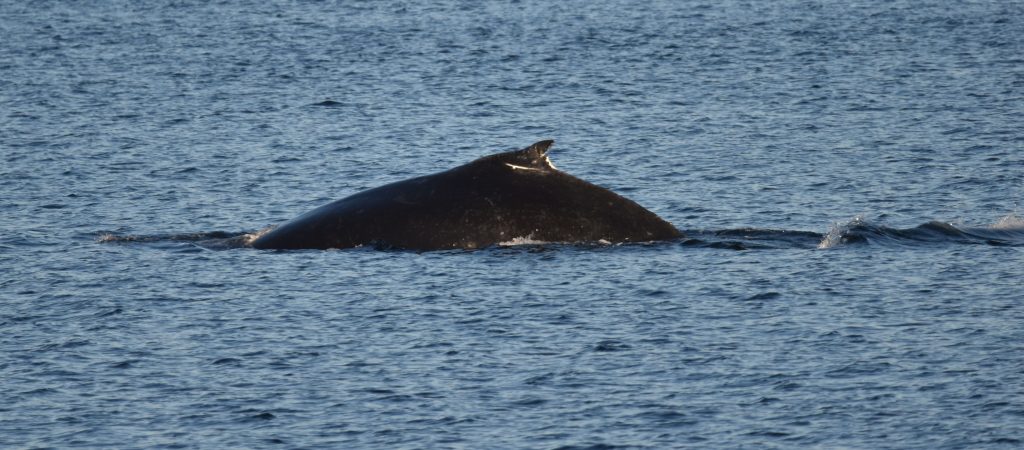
<point>849,177</point>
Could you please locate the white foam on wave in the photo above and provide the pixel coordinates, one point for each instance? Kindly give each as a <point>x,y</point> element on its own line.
<point>529,240</point>
<point>522,240</point>
<point>835,234</point>
<point>249,238</point>
<point>1009,222</point>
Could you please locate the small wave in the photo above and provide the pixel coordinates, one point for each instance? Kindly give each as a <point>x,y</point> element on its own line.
<point>751,239</point>
<point>328,104</point>
<point>1007,231</point>
<point>213,240</point>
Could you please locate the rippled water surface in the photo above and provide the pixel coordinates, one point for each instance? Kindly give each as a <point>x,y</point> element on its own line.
<point>848,177</point>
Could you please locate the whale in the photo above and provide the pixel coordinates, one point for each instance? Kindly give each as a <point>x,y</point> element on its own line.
<point>509,197</point>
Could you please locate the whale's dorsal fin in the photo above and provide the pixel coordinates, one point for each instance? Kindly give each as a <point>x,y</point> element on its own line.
<point>530,159</point>
<point>540,148</point>
<point>534,157</point>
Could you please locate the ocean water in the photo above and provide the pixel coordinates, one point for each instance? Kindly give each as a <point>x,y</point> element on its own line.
<point>848,175</point>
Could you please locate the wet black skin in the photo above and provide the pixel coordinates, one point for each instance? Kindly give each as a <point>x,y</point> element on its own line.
<point>494,199</point>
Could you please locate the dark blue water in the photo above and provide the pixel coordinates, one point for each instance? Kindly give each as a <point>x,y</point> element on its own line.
<point>848,177</point>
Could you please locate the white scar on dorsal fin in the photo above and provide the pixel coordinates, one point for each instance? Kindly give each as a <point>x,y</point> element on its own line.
<point>515,167</point>
<point>548,160</point>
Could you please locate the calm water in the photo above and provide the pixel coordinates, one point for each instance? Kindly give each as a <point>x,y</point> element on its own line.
<point>848,175</point>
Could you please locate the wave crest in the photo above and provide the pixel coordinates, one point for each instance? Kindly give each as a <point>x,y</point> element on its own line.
<point>1007,231</point>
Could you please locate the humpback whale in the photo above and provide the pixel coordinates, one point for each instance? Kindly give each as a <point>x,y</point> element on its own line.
<point>494,199</point>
